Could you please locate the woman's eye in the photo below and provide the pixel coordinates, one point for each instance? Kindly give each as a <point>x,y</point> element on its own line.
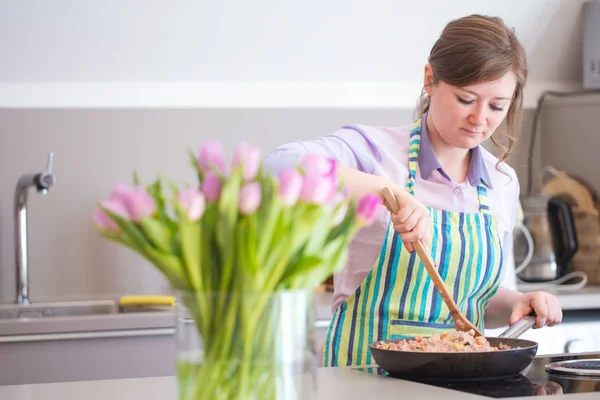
<point>464,101</point>
<point>496,108</point>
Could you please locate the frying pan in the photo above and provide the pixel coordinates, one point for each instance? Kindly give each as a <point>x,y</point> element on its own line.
<point>458,366</point>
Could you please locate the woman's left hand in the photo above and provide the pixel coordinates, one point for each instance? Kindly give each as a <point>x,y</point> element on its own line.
<point>545,306</point>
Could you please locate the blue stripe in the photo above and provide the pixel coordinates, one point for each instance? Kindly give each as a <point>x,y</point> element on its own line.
<point>489,264</point>
<point>461,262</point>
<point>353,327</point>
<point>337,337</point>
<point>481,282</point>
<point>375,291</point>
<point>413,158</point>
<point>410,269</point>
<point>476,263</point>
<point>328,343</point>
<point>494,287</point>
<point>445,262</point>
<point>363,312</point>
<point>467,285</point>
<point>484,207</point>
<point>428,281</point>
<point>413,298</point>
<point>390,276</point>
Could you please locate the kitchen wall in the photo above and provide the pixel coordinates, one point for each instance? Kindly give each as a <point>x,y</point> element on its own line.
<point>96,148</point>
<point>266,40</point>
<point>98,139</point>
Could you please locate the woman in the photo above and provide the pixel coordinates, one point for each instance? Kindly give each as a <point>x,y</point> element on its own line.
<point>453,194</point>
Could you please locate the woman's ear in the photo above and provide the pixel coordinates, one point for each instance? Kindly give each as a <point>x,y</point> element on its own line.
<point>428,78</point>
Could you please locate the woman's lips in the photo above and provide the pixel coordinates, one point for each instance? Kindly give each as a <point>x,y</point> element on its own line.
<point>472,133</point>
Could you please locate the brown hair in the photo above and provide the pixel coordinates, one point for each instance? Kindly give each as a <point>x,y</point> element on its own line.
<point>476,49</point>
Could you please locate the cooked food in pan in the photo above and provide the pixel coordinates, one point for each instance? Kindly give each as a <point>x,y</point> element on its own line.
<point>452,342</point>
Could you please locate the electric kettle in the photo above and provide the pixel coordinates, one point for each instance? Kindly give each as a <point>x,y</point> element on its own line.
<point>550,222</point>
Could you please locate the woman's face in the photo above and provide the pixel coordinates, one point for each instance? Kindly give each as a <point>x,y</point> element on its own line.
<point>466,116</point>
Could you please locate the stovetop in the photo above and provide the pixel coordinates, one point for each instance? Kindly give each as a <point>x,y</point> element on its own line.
<point>533,381</point>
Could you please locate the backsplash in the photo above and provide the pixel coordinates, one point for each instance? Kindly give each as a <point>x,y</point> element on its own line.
<point>93,150</point>
<point>96,148</point>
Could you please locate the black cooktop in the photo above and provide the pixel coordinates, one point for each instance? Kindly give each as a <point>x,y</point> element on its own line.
<point>535,380</point>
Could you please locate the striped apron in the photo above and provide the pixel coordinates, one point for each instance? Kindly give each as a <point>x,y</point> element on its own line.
<point>397,299</point>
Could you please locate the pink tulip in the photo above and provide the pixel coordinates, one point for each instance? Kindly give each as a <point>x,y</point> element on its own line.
<point>315,163</point>
<point>318,189</point>
<point>193,202</point>
<point>250,197</point>
<point>139,203</point>
<point>367,209</point>
<point>290,186</point>
<point>102,220</point>
<point>211,156</point>
<point>212,187</point>
<point>249,158</point>
<point>117,191</point>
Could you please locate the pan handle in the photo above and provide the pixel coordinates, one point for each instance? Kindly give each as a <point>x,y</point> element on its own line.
<point>519,328</point>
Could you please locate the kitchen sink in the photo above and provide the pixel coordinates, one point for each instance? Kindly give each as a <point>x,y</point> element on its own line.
<point>70,309</point>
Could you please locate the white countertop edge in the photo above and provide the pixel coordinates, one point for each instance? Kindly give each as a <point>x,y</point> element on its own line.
<point>232,95</point>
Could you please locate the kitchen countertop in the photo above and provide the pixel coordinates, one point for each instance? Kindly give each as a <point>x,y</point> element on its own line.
<point>587,298</point>
<point>342,382</point>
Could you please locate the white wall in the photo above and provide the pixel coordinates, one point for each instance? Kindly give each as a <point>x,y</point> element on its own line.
<point>238,40</point>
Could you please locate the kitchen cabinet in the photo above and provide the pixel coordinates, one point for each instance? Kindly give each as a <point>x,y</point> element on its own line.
<point>81,356</point>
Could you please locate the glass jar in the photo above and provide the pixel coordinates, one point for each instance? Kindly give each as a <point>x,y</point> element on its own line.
<point>245,346</point>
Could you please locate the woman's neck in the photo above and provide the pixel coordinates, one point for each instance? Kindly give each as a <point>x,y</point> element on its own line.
<point>454,160</point>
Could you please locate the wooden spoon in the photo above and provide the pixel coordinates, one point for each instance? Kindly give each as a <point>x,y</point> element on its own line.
<point>460,321</point>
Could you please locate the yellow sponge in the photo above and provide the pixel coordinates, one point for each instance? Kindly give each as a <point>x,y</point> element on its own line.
<point>147,301</point>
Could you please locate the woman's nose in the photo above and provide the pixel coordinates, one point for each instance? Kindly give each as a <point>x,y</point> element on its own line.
<point>478,116</point>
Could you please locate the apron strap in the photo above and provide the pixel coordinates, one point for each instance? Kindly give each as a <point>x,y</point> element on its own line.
<point>413,157</point>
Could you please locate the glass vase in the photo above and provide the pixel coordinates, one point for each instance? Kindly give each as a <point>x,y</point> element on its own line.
<point>245,346</point>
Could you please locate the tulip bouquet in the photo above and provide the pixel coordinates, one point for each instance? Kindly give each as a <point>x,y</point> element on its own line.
<point>228,245</point>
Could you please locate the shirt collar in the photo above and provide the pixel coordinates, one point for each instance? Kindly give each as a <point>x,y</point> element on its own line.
<point>428,162</point>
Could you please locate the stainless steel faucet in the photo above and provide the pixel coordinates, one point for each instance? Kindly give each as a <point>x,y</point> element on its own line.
<point>42,182</point>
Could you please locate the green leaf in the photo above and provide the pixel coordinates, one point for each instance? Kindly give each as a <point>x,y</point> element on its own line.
<point>194,163</point>
<point>268,215</point>
<point>304,266</point>
<point>160,235</point>
<point>346,226</point>
<point>155,190</point>
<point>134,233</point>
<point>118,239</point>
<point>170,265</point>
<point>226,226</point>
<point>190,236</point>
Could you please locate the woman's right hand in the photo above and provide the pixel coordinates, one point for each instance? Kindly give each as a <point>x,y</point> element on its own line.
<point>412,221</point>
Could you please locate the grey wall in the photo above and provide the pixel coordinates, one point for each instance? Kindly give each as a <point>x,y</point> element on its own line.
<point>96,148</point>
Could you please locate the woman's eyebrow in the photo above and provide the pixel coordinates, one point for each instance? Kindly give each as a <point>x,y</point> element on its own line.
<point>476,94</point>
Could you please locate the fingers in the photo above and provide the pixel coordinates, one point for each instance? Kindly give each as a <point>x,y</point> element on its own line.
<point>555,313</point>
<point>538,302</point>
<point>411,222</point>
<point>521,309</point>
<point>545,306</point>
<point>405,224</point>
